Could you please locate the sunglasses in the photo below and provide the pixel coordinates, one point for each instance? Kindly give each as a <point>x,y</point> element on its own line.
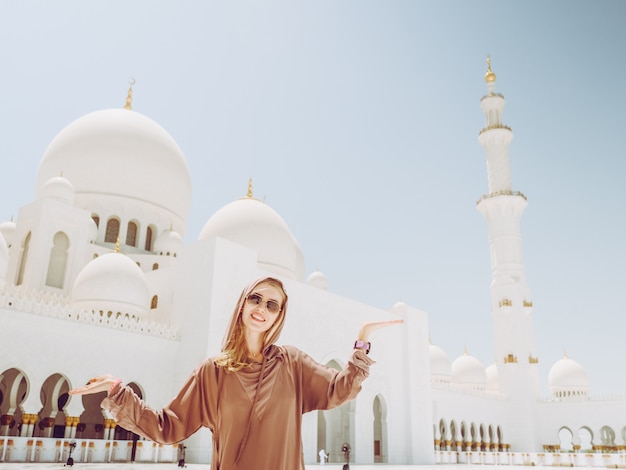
<point>270,305</point>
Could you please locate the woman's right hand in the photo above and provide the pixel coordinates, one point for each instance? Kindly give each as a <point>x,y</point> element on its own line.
<point>95,385</point>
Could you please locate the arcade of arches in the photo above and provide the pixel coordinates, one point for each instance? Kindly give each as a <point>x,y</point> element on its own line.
<point>53,417</point>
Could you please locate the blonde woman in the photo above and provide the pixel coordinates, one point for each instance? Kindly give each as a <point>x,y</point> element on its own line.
<point>252,395</point>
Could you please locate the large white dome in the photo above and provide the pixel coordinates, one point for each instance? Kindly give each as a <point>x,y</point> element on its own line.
<point>120,153</point>
<point>567,377</point>
<point>253,224</point>
<point>113,282</point>
<point>467,370</point>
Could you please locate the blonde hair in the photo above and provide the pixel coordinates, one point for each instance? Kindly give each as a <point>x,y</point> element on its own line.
<point>234,354</point>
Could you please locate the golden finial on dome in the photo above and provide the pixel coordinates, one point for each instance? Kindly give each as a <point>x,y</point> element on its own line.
<point>249,194</point>
<point>117,245</point>
<point>489,76</point>
<point>129,96</point>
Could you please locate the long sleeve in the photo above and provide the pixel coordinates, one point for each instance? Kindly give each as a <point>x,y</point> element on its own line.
<point>325,388</point>
<point>193,407</point>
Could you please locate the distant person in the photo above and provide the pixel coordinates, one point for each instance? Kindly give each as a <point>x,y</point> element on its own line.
<point>252,395</point>
<point>323,456</point>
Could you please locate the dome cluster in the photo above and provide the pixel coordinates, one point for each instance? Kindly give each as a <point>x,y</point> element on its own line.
<point>465,371</point>
<point>132,179</point>
<point>567,378</point>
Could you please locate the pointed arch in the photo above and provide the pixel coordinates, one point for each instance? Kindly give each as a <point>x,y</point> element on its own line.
<point>585,437</point>
<point>149,238</point>
<point>443,431</point>
<point>338,426</point>
<point>15,388</point>
<point>57,263</point>
<point>112,230</point>
<point>465,437</point>
<point>131,233</point>
<point>607,436</point>
<point>23,259</point>
<point>379,409</point>
<point>566,438</point>
<point>54,397</point>
<point>475,445</point>
<point>483,437</point>
<point>455,444</point>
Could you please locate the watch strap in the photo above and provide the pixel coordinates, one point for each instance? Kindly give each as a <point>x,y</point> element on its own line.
<point>364,345</point>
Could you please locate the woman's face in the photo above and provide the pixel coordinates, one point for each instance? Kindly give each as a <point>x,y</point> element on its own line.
<point>261,308</point>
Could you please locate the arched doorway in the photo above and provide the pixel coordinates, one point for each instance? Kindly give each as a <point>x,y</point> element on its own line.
<point>337,427</point>
<point>13,392</point>
<point>379,409</point>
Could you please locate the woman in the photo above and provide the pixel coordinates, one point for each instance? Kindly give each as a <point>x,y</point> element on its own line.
<point>252,396</point>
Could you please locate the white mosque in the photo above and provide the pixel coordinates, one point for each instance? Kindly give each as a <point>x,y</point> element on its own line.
<point>95,278</point>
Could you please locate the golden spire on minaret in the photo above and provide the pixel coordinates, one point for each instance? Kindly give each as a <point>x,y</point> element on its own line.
<point>489,76</point>
<point>249,194</point>
<point>129,96</point>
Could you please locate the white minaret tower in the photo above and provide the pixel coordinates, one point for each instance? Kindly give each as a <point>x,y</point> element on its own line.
<point>511,304</point>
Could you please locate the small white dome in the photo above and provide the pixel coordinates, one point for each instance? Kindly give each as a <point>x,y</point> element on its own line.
<point>440,368</point>
<point>567,375</point>
<point>253,224</point>
<point>58,188</point>
<point>168,243</point>
<point>493,383</point>
<point>399,306</point>
<point>467,370</point>
<point>317,279</point>
<point>8,230</point>
<point>112,282</point>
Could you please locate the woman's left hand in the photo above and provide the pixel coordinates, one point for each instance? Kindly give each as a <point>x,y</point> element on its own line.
<point>369,327</point>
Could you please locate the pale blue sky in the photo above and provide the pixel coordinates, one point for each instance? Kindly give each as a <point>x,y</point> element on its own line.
<point>358,122</point>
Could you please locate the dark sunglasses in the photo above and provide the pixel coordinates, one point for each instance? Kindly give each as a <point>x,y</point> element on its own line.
<point>270,305</point>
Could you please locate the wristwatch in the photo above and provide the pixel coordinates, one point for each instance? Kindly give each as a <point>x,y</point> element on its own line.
<point>365,345</point>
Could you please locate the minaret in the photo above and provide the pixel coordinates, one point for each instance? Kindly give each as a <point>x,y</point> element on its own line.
<point>511,304</point>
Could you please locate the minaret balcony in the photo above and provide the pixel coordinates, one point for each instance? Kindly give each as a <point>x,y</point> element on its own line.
<point>510,359</point>
<point>494,126</point>
<point>506,305</point>
<point>528,306</point>
<point>501,193</point>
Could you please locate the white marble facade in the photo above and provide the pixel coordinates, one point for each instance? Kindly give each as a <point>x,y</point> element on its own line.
<point>95,278</point>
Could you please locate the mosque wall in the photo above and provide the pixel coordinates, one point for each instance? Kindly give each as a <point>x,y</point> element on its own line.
<point>470,419</point>
<point>406,412</point>
<point>584,422</point>
<point>42,347</point>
